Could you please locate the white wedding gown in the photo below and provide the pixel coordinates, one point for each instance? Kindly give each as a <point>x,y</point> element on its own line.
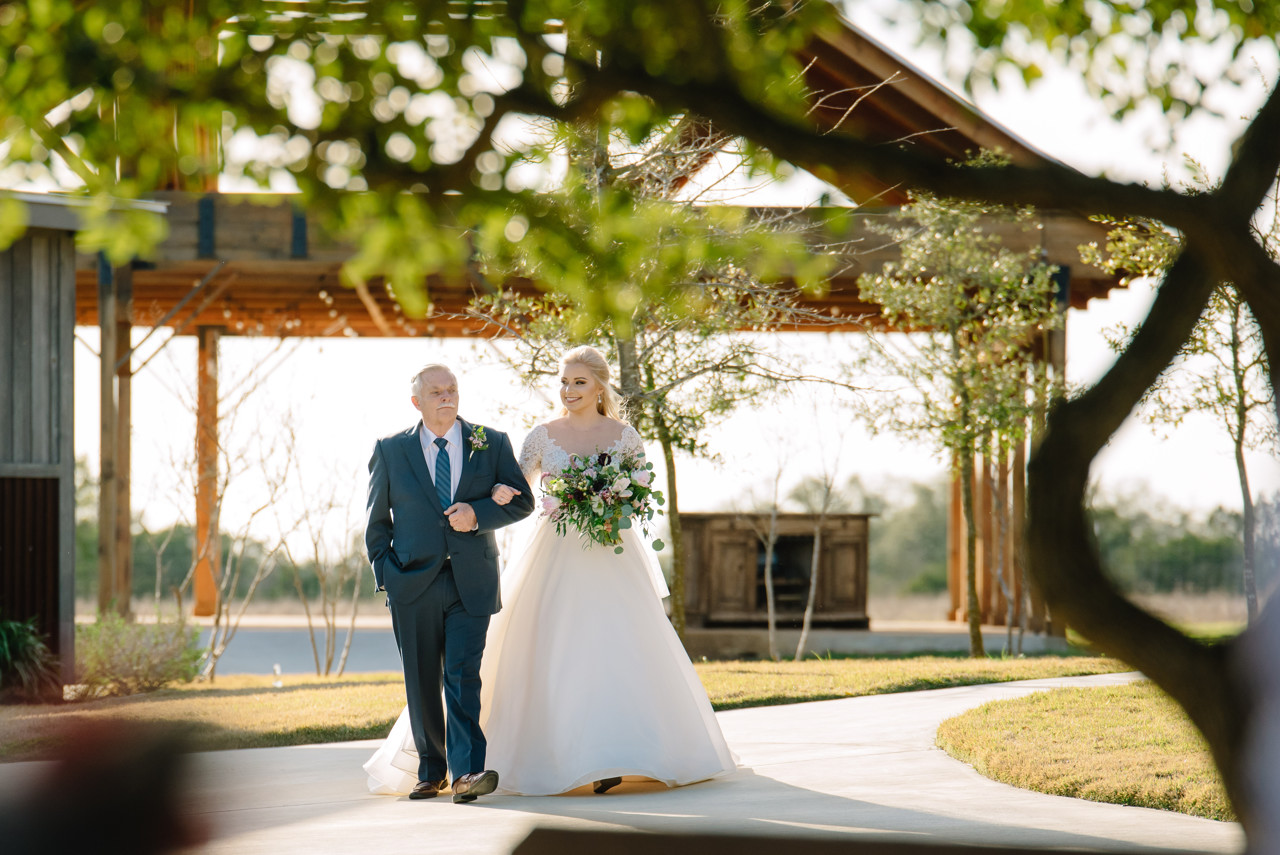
<point>583,676</point>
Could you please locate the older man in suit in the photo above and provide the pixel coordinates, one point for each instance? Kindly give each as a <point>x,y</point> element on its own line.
<point>429,532</point>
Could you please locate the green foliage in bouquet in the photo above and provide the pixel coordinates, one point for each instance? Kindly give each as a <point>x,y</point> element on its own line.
<point>601,495</point>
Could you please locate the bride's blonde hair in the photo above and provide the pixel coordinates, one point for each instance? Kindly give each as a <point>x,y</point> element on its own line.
<point>591,359</point>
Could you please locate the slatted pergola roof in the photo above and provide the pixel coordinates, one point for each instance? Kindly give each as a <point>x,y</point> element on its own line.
<point>255,270</point>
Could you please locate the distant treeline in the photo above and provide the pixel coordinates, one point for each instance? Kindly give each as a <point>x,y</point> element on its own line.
<point>169,553</point>
<point>1150,548</point>
<point>175,562</point>
<point>1147,546</point>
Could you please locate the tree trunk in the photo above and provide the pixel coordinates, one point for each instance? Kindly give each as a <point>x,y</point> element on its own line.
<point>967,450</point>
<point>1250,529</point>
<point>1065,560</point>
<point>1018,509</point>
<point>628,371</point>
<point>306,610</point>
<point>813,589</point>
<point>351,627</point>
<point>971,554</point>
<point>1238,435</point>
<point>771,541</point>
<point>673,519</point>
<point>1004,572</point>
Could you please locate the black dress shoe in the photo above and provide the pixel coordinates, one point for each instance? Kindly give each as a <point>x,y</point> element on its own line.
<point>469,787</point>
<point>427,789</point>
<point>606,785</point>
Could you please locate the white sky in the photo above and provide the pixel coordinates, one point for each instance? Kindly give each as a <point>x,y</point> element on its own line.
<point>343,393</point>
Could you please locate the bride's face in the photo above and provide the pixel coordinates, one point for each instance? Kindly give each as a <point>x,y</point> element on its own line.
<point>578,389</point>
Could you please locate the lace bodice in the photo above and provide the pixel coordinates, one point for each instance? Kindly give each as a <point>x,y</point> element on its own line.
<point>540,453</point>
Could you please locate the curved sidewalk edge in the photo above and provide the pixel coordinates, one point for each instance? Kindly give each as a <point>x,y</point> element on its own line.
<point>856,769</point>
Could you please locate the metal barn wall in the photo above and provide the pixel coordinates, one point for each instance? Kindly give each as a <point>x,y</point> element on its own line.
<point>37,456</point>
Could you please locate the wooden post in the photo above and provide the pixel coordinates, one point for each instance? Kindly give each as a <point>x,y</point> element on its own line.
<point>1039,413</point>
<point>1005,546</point>
<point>1018,531</point>
<point>955,551</point>
<point>108,494</point>
<point>123,439</point>
<point>982,510</point>
<point>208,542</point>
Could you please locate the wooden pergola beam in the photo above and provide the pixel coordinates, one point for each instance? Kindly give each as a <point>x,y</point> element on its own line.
<point>863,86</point>
<point>260,287</point>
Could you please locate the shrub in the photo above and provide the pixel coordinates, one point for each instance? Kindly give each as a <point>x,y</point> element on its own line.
<point>117,657</point>
<point>28,669</point>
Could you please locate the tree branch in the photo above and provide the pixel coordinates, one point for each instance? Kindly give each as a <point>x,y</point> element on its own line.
<point>1257,159</point>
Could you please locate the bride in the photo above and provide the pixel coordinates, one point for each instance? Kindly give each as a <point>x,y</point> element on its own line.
<point>583,678</point>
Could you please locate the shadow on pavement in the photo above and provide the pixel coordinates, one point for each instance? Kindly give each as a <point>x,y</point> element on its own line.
<point>545,841</point>
<point>758,807</point>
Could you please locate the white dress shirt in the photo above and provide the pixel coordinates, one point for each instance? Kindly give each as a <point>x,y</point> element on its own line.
<point>453,440</point>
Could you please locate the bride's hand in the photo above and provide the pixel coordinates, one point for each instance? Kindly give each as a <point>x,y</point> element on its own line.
<point>502,494</point>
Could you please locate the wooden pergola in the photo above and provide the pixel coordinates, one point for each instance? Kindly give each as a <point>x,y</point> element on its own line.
<point>231,268</point>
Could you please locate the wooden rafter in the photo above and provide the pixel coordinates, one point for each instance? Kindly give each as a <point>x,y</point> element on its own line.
<point>262,290</point>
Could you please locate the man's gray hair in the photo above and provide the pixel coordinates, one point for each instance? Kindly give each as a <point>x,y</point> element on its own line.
<point>415,383</point>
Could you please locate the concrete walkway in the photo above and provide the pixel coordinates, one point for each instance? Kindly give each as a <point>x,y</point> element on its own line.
<point>859,766</point>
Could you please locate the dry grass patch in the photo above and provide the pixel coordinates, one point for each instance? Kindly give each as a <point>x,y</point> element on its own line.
<point>1128,745</point>
<point>246,711</point>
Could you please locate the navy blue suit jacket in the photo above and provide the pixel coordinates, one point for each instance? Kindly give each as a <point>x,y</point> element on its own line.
<point>407,534</point>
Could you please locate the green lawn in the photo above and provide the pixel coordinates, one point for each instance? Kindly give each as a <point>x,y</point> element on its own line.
<point>732,685</point>
<point>247,712</point>
<point>1129,745</point>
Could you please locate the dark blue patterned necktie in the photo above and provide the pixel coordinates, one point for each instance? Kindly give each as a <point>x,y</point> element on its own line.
<point>444,474</point>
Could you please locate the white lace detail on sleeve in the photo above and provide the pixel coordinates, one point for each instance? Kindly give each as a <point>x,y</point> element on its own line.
<point>630,442</point>
<point>531,453</point>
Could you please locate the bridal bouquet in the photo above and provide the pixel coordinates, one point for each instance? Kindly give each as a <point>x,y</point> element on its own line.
<point>600,495</point>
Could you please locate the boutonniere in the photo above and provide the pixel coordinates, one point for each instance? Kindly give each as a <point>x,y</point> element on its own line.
<point>479,439</point>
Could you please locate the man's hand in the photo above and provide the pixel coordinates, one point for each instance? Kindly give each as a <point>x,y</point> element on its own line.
<point>502,494</point>
<point>461,516</point>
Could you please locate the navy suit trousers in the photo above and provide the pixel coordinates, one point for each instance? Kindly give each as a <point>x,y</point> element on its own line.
<point>441,645</point>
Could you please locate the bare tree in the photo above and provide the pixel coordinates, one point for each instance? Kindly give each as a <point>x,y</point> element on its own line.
<point>248,462</point>
<point>818,496</point>
<point>1221,370</point>
<point>337,564</point>
<point>1013,588</point>
<point>979,310</point>
<point>767,534</point>
<point>248,561</point>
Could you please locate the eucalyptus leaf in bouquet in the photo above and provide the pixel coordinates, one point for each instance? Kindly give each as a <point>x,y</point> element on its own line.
<point>601,495</point>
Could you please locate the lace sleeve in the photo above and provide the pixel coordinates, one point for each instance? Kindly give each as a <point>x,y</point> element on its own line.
<point>630,441</point>
<point>531,454</point>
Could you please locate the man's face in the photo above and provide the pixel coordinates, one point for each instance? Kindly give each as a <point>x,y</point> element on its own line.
<point>438,398</point>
